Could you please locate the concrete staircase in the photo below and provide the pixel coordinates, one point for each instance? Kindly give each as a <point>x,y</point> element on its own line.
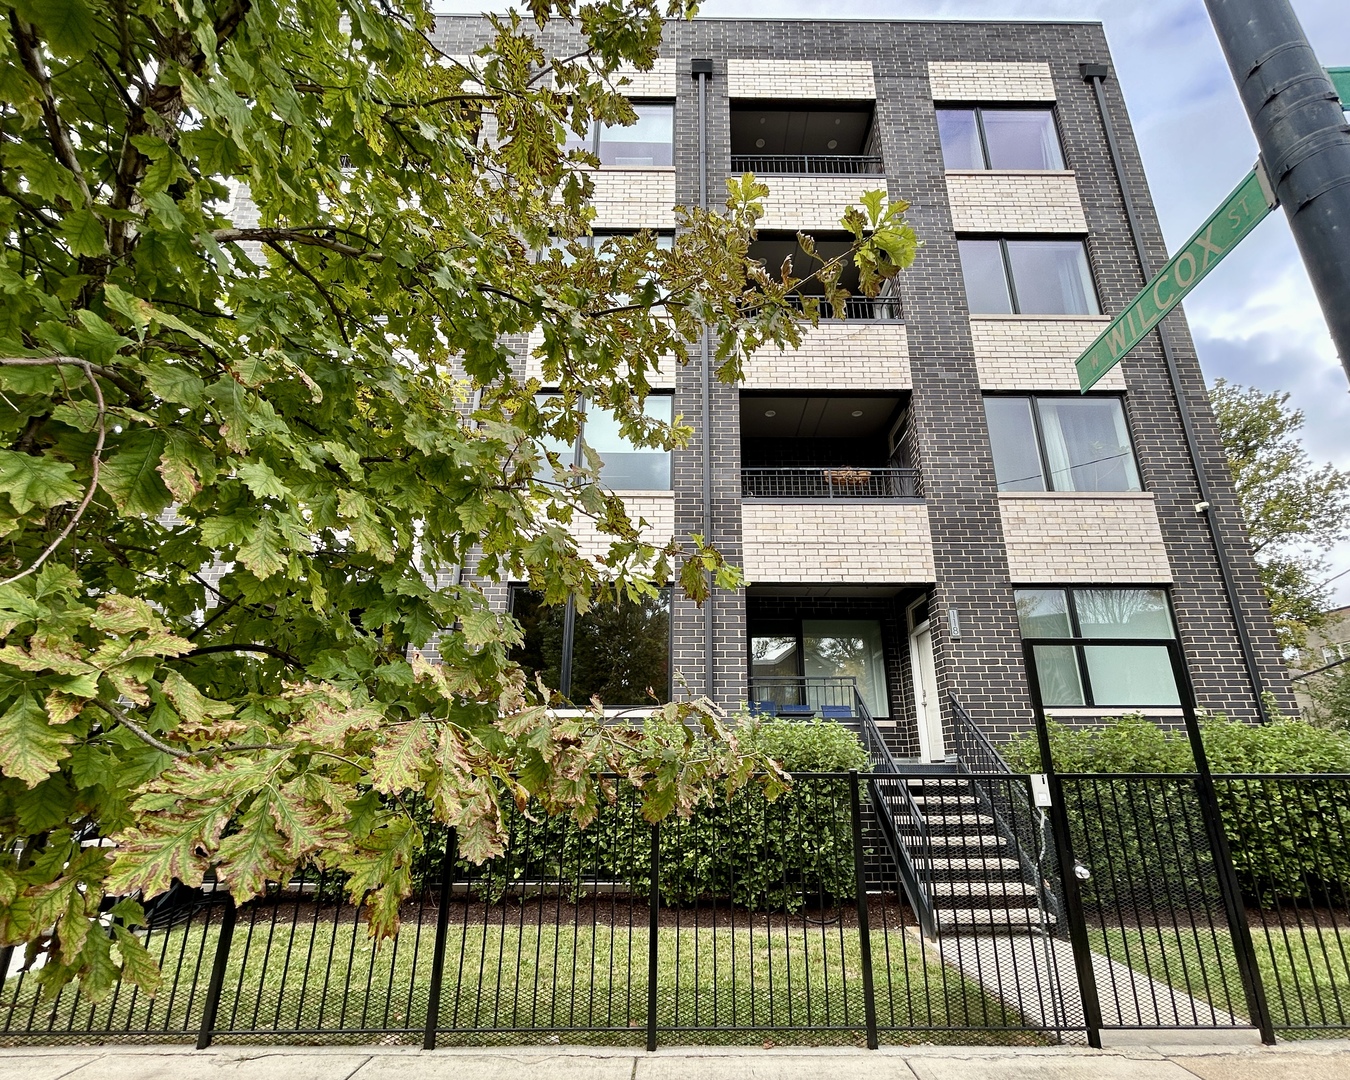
<point>977,882</point>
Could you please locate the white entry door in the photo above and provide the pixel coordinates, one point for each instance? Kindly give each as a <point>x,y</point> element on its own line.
<point>926,705</point>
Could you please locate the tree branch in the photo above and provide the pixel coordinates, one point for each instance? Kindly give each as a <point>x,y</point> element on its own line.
<point>95,460</point>
<point>266,650</point>
<point>127,722</point>
<point>295,236</point>
<point>26,41</point>
<point>323,293</point>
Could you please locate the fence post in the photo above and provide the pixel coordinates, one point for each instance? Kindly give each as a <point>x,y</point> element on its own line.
<point>1234,910</point>
<point>442,926</point>
<point>217,984</point>
<point>864,932</point>
<point>1073,897</point>
<point>653,907</point>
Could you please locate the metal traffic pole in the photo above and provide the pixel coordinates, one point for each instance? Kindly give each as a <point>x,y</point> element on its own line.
<point>1304,140</point>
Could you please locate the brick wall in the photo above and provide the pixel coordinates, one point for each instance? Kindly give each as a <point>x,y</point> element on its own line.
<point>634,198</point>
<point>837,355</point>
<point>1071,536</point>
<point>655,508</point>
<point>830,80</point>
<point>812,203</point>
<point>980,80</point>
<point>1036,352</point>
<point>663,378</point>
<point>659,82</point>
<point>1015,202</point>
<point>834,541</point>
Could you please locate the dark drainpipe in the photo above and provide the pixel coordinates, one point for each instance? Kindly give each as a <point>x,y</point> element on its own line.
<point>1095,74</point>
<point>702,71</point>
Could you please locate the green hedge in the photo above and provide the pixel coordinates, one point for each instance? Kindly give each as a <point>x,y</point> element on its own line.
<point>1289,838</point>
<point>775,856</point>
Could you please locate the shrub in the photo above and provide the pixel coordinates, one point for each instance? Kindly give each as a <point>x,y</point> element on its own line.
<point>1288,837</point>
<point>741,849</point>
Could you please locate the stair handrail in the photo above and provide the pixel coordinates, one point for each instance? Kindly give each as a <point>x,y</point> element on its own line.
<point>917,879</point>
<point>964,727</point>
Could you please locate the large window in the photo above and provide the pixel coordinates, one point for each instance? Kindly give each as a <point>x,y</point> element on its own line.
<point>619,652</point>
<point>998,138</point>
<point>626,466</point>
<point>649,141</point>
<point>1104,676</point>
<point>820,649</point>
<point>1027,277</point>
<point>1061,444</point>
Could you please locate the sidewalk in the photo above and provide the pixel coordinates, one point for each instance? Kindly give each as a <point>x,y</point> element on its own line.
<point>1199,1061</point>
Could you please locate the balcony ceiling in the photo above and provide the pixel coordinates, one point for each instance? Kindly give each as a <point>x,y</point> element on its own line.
<point>821,417</point>
<point>772,249</point>
<point>798,131</point>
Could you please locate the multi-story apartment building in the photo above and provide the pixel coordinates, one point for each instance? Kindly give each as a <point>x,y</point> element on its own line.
<point>920,487</point>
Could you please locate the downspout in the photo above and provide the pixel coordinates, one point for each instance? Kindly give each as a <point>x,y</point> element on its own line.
<point>1095,74</point>
<point>702,71</point>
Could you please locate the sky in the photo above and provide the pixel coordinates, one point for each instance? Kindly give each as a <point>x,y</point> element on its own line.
<point>1254,319</point>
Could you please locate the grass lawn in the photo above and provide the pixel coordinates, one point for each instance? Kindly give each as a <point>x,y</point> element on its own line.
<point>1304,971</point>
<point>517,982</point>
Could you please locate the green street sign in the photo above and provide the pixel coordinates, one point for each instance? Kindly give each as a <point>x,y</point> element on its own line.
<point>1340,79</point>
<point>1238,215</point>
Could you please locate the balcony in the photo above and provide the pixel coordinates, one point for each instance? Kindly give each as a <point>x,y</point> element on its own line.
<point>773,249</point>
<point>839,483</point>
<point>808,164</point>
<point>806,697</point>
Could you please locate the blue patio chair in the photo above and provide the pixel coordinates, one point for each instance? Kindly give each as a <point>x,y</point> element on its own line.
<point>763,708</point>
<point>796,710</point>
<point>836,712</point>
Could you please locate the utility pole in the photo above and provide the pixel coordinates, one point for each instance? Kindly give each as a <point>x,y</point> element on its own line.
<point>1304,141</point>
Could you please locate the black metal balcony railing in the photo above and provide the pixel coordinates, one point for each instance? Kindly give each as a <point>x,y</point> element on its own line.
<point>808,164</point>
<point>836,483</point>
<point>862,308</point>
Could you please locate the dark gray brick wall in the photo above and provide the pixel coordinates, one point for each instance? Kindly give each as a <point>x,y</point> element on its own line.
<point>984,666</point>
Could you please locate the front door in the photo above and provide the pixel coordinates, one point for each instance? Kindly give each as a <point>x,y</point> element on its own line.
<point>927,708</point>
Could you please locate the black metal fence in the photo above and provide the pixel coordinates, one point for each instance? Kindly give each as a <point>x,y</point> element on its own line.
<point>902,905</point>
<point>841,482</point>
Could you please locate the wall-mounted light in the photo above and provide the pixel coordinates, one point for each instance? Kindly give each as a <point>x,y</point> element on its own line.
<point>953,623</point>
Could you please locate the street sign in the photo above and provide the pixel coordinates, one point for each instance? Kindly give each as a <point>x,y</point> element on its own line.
<point>1340,79</point>
<point>1239,214</point>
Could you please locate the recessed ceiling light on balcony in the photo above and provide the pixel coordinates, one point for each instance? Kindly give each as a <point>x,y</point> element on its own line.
<point>770,412</point>
<point>832,143</point>
<point>857,412</point>
<point>759,143</point>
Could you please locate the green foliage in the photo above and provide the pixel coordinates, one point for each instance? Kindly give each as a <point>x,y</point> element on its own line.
<point>741,845</point>
<point>1294,509</point>
<point>1330,694</point>
<point>321,405</point>
<point>1286,836</point>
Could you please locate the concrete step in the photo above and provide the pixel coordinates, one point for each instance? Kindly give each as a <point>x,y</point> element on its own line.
<point>974,920</point>
<point>999,891</point>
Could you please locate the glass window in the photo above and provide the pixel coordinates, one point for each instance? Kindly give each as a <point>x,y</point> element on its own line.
<point>649,141</point>
<point>1051,277</point>
<point>960,136</point>
<point>986,279</point>
<point>628,467</point>
<point>844,648</point>
<point>1061,444</point>
<point>1012,431</point>
<point>1021,139</point>
<point>1087,444</point>
<point>619,650</point>
<point>1104,676</point>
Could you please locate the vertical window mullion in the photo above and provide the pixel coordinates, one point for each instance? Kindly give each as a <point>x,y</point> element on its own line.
<point>1080,655</point>
<point>1008,274</point>
<point>984,142</point>
<point>1035,403</point>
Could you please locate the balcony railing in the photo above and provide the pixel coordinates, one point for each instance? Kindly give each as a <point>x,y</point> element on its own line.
<point>836,483</point>
<point>806,696</point>
<point>808,164</point>
<point>862,308</point>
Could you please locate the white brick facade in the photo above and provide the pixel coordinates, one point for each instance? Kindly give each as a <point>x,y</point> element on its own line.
<point>657,83</point>
<point>657,508</point>
<point>848,355</point>
<point>1083,537</point>
<point>813,203</point>
<point>634,198</point>
<point>1036,352</point>
<point>831,80</point>
<point>836,542</point>
<point>662,379</point>
<point>981,81</point>
<point>1012,202</point>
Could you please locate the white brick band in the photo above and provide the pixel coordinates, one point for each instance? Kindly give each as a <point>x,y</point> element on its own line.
<point>1044,202</point>
<point>846,355</point>
<point>992,82</point>
<point>832,80</point>
<point>835,542</point>
<point>1033,352</point>
<point>1083,537</point>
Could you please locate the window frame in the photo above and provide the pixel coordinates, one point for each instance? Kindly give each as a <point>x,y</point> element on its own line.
<point>979,108</point>
<point>1079,643</point>
<point>579,455</point>
<point>1011,282</point>
<point>791,626</point>
<point>592,143</point>
<point>1047,475</point>
<point>568,649</point>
